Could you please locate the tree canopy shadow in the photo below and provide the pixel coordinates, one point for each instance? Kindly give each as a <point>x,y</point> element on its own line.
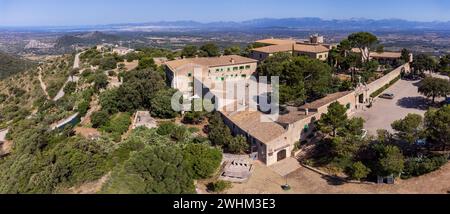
<point>335,181</point>
<point>417,83</point>
<point>420,103</point>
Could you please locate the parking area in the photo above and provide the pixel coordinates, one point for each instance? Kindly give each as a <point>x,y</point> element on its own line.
<point>385,111</point>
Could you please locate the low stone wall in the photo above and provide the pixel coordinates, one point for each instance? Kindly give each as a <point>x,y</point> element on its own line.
<point>386,79</point>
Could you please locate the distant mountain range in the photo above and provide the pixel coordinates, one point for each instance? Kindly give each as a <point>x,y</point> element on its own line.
<point>307,23</point>
<point>303,23</point>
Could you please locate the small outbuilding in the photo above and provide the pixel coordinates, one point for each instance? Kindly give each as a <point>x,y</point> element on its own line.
<point>144,119</point>
<point>237,171</point>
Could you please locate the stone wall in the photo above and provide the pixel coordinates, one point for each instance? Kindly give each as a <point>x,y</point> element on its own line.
<point>386,79</point>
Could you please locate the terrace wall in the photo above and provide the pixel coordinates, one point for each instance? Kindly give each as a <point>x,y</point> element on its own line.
<point>386,79</point>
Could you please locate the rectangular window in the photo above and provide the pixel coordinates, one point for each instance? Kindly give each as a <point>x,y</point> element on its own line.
<point>189,74</point>
<point>235,68</point>
<point>241,68</point>
<point>247,67</point>
<point>244,75</point>
<point>217,70</point>
<point>229,69</point>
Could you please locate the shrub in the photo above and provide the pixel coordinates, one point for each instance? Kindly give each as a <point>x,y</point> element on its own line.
<point>218,133</point>
<point>166,128</point>
<point>70,87</point>
<point>194,117</point>
<point>87,94</point>
<point>161,104</point>
<point>193,129</point>
<point>86,73</point>
<point>108,63</point>
<point>3,97</point>
<point>420,166</point>
<point>390,160</point>
<point>100,80</point>
<point>200,139</point>
<point>201,160</point>
<point>358,171</point>
<point>180,133</point>
<point>219,186</point>
<point>238,145</point>
<point>99,119</point>
<point>155,169</point>
<point>118,124</point>
<point>112,73</point>
<point>83,108</point>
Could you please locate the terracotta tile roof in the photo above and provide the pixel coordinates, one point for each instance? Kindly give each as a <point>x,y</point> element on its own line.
<point>393,55</point>
<point>275,48</point>
<point>294,114</point>
<point>276,41</point>
<point>325,101</point>
<point>311,48</point>
<point>386,54</point>
<point>211,61</point>
<point>250,122</point>
<point>308,48</point>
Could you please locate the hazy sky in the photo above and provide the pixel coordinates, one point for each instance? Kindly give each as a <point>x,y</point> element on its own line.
<point>91,12</point>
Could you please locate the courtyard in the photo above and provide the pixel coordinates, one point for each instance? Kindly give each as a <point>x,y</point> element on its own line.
<point>384,111</point>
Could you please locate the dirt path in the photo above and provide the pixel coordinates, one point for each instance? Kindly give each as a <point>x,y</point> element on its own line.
<point>94,106</point>
<point>43,86</point>
<point>91,187</point>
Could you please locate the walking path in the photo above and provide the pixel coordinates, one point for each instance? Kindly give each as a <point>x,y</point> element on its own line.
<point>76,65</point>
<point>43,86</point>
<point>286,167</point>
<point>94,106</point>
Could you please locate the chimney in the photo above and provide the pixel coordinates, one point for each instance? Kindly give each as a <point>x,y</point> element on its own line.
<point>232,61</point>
<point>307,111</point>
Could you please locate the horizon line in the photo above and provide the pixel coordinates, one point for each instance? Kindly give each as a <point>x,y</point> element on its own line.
<point>208,22</point>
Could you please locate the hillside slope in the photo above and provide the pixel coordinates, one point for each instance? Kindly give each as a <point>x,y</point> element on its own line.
<point>10,65</point>
<point>67,42</point>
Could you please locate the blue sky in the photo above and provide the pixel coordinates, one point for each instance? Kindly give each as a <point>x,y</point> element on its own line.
<point>91,12</point>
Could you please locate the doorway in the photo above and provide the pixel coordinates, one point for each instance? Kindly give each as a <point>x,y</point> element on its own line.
<point>361,98</point>
<point>281,155</point>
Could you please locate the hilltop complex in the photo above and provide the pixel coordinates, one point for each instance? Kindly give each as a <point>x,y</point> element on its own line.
<point>275,140</point>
